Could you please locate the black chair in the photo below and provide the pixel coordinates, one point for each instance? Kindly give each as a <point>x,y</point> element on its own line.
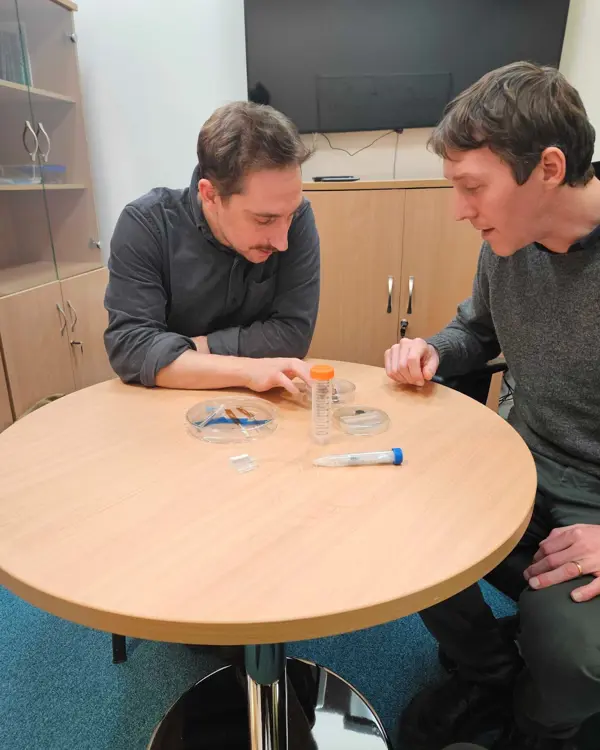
<point>475,383</point>
<point>119,648</point>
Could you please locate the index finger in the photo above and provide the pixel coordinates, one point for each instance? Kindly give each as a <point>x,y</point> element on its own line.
<point>566,572</point>
<point>298,369</point>
<point>285,382</point>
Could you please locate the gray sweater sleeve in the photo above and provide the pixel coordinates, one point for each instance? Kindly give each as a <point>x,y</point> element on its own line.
<point>289,327</point>
<point>137,341</point>
<point>470,340</point>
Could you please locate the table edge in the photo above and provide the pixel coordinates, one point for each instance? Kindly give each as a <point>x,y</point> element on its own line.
<point>249,633</point>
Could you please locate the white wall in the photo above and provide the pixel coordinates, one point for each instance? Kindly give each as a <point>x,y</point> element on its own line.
<point>152,72</point>
<point>377,161</point>
<point>580,60</point>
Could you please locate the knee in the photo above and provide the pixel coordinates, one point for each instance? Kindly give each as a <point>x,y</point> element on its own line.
<point>559,637</point>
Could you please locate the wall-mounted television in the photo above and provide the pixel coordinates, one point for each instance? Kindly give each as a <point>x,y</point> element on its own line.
<point>348,65</point>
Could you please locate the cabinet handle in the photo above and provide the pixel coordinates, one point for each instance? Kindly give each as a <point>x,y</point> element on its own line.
<point>411,289</point>
<point>61,312</point>
<point>77,343</point>
<point>390,290</point>
<point>44,154</point>
<point>73,314</point>
<point>28,129</point>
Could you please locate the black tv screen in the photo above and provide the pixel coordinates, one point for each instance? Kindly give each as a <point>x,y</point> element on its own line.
<point>347,65</point>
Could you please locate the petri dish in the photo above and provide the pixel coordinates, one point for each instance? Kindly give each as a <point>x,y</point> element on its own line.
<point>232,419</point>
<point>361,420</point>
<point>343,391</point>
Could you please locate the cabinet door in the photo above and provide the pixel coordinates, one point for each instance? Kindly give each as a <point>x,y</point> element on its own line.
<point>440,256</point>
<point>51,50</point>
<point>6,417</point>
<point>36,346</point>
<point>26,252</point>
<point>84,304</point>
<point>361,260</point>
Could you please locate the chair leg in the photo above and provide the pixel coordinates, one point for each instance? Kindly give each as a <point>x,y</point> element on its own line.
<point>119,649</point>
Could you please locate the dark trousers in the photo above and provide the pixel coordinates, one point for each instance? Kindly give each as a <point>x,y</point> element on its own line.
<point>558,683</point>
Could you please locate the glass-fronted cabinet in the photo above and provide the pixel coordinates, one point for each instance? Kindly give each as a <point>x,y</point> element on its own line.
<point>52,278</point>
<point>47,214</point>
<point>26,252</point>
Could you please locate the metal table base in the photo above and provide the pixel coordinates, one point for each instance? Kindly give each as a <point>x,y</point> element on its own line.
<point>274,704</point>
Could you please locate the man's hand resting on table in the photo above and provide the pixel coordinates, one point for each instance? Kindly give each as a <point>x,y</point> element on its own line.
<point>411,362</point>
<point>264,374</point>
<point>555,561</point>
<point>200,370</point>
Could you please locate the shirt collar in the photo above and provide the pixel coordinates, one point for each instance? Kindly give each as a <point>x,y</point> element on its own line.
<point>587,242</point>
<point>195,205</point>
<point>198,213</point>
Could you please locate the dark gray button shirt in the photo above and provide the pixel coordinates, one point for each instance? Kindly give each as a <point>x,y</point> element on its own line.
<point>170,279</point>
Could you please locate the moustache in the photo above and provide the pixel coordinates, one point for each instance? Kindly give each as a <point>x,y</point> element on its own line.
<point>265,248</point>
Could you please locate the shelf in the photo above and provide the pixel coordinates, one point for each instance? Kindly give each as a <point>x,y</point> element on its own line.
<point>39,186</point>
<point>427,182</point>
<point>29,275</point>
<point>76,268</point>
<point>68,4</point>
<point>17,92</point>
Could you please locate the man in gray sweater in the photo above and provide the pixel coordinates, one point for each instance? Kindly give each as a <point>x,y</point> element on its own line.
<point>218,285</point>
<point>517,147</point>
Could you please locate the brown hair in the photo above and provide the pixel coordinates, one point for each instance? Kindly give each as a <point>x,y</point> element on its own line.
<point>244,137</point>
<point>517,111</point>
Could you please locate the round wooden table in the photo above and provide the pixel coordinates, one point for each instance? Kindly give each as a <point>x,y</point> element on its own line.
<point>114,516</point>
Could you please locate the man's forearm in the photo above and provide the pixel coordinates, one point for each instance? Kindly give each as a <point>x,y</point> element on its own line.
<point>269,338</point>
<point>192,370</point>
<point>468,342</point>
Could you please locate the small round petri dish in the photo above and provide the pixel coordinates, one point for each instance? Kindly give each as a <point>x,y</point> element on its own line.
<point>232,419</point>
<point>361,420</point>
<point>343,391</point>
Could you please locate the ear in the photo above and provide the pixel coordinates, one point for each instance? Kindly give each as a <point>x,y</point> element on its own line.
<point>206,191</point>
<point>553,165</point>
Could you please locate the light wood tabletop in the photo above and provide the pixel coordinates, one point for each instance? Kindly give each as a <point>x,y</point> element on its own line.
<point>114,516</point>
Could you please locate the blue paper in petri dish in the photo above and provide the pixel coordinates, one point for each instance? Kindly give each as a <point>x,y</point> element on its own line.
<point>232,419</point>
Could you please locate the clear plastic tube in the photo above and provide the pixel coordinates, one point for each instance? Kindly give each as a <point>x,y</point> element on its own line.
<point>393,456</point>
<point>322,402</point>
<point>322,407</point>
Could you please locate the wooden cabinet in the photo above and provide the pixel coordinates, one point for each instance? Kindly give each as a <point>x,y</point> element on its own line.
<point>6,415</point>
<point>87,321</point>
<point>378,241</point>
<point>47,214</point>
<point>361,263</point>
<point>52,338</point>
<point>440,256</point>
<point>52,278</point>
<point>36,345</point>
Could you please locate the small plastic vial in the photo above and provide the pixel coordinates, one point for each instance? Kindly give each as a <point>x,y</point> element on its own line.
<point>322,402</point>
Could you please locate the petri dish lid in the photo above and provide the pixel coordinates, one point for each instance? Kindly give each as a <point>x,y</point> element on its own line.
<point>343,391</point>
<point>361,420</point>
<point>232,419</point>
